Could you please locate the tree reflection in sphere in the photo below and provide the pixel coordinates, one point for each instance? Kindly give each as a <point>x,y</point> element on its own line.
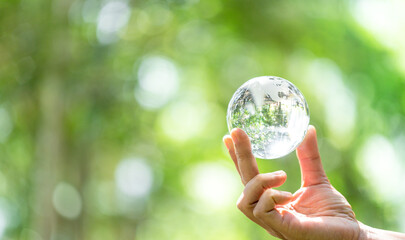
<point>273,113</point>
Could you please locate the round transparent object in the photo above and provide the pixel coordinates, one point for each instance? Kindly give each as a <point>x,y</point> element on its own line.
<point>273,113</point>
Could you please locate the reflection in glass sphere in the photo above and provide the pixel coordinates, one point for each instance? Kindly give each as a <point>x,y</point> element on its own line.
<point>273,113</point>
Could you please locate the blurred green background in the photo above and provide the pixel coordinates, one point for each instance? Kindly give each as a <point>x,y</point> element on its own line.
<point>112,112</point>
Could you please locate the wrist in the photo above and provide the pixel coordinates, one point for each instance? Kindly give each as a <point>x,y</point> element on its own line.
<point>369,233</point>
<point>365,232</point>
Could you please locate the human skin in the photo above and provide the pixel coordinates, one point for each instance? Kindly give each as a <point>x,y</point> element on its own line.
<point>316,211</point>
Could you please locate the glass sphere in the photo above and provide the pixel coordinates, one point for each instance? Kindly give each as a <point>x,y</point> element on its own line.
<point>273,113</point>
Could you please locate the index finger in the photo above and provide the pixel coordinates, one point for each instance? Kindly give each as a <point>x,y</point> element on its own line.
<point>246,161</point>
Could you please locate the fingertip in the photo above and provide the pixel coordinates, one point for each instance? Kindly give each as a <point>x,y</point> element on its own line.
<point>239,136</point>
<point>312,130</point>
<point>227,141</point>
<point>272,179</point>
<point>226,137</point>
<point>310,137</point>
<point>235,134</point>
<point>281,173</point>
<point>234,130</point>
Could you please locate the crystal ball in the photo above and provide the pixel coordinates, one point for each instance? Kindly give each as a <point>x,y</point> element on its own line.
<point>273,113</point>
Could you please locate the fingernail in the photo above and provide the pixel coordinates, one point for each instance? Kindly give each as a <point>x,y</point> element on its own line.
<point>233,135</point>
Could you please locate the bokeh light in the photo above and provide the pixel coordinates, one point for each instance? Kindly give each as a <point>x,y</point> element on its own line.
<point>112,112</point>
<point>134,178</point>
<point>184,120</point>
<point>387,174</point>
<point>212,184</point>
<point>338,101</point>
<point>113,17</point>
<point>385,20</point>
<point>158,80</point>
<point>67,201</point>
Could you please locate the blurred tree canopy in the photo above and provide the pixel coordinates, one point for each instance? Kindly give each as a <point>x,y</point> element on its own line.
<point>112,111</point>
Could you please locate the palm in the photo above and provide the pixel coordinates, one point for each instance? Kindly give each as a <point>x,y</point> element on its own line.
<point>319,212</point>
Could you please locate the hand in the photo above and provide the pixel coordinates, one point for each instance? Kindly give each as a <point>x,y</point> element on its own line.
<point>315,211</point>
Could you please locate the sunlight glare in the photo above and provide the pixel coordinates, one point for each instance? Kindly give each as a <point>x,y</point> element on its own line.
<point>213,184</point>
<point>134,177</point>
<point>112,18</point>
<point>158,81</point>
<point>339,102</point>
<point>380,165</point>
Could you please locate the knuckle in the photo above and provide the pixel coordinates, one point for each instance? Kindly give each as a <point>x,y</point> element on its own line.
<point>239,204</point>
<point>258,213</point>
<point>243,155</point>
<point>242,207</point>
<point>259,178</point>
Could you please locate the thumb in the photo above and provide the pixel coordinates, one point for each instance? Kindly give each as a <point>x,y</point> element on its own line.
<point>312,172</point>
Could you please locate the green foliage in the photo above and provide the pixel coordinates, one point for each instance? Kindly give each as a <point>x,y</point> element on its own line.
<point>74,107</point>
<point>266,115</point>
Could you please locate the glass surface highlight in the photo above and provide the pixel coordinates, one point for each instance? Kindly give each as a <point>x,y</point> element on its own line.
<point>273,113</point>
